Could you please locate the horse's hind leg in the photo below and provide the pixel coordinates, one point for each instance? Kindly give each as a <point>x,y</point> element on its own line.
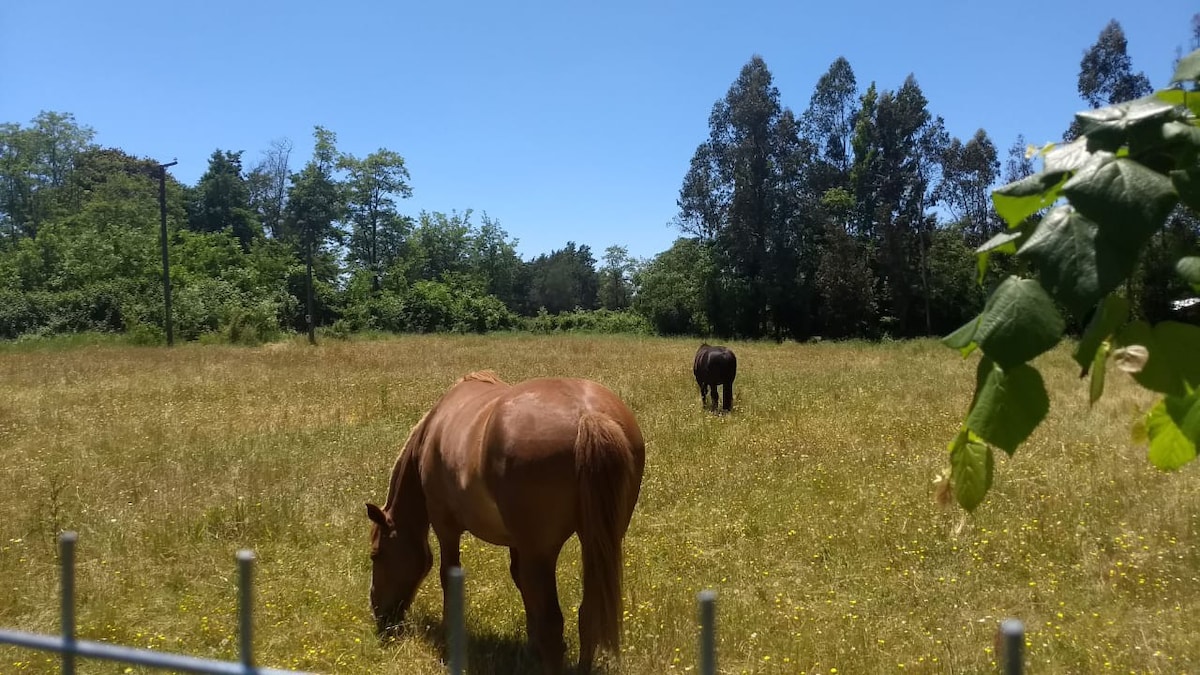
<point>543,616</point>
<point>703,394</point>
<point>514,570</point>
<point>728,403</point>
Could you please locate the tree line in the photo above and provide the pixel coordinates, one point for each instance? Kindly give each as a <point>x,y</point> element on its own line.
<point>861,216</point>
<point>79,246</point>
<point>858,217</point>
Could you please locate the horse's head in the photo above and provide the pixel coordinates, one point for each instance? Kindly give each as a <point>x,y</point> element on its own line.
<point>399,562</point>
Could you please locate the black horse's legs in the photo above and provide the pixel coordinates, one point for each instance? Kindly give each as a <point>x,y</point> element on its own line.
<point>728,403</point>
<point>703,394</point>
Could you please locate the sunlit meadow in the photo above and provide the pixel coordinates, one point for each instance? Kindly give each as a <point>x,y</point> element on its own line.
<point>809,509</point>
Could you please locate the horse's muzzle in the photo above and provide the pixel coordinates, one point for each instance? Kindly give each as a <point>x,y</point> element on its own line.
<point>389,625</point>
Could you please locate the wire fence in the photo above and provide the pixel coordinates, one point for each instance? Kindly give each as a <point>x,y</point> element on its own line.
<point>1012,631</point>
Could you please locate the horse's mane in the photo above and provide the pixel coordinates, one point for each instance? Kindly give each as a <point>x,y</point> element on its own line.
<point>417,436</point>
<point>487,376</point>
<point>414,438</point>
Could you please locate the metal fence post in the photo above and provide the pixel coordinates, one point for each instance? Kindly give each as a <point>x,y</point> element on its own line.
<point>708,628</point>
<point>1013,639</point>
<point>67,547</point>
<point>456,640</point>
<point>245,559</point>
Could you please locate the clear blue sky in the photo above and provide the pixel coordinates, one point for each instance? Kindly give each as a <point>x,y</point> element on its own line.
<point>564,120</point>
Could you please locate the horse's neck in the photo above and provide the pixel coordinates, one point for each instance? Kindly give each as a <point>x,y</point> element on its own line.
<point>406,496</point>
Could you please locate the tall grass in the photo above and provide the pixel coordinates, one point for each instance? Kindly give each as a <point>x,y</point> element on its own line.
<point>808,509</point>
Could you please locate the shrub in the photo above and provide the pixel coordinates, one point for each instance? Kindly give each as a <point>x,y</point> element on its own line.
<point>590,321</point>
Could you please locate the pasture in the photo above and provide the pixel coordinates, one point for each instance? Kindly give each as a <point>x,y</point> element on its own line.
<point>809,509</point>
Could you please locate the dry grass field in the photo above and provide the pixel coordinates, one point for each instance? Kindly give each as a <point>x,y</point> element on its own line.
<point>809,509</point>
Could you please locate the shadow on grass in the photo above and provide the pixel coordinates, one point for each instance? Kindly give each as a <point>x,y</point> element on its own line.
<point>489,652</point>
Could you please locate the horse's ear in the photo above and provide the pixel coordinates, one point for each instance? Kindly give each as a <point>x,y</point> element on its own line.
<point>376,515</point>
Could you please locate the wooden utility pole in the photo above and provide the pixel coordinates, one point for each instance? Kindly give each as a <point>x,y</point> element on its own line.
<point>312,319</point>
<point>166,262</point>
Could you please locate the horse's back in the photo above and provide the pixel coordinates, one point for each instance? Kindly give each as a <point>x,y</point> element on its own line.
<point>531,451</point>
<point>541,417</point>
<point>714,364</point>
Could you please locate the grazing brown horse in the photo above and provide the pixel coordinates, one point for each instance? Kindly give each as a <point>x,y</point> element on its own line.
<point>523,466</point>
<point>713,367</point>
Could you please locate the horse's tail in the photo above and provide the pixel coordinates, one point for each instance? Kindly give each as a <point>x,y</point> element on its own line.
<point>604,469</point>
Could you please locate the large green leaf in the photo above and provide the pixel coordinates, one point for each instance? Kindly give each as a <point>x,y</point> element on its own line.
<point>1109,316</point>
<point>1181,97</point>
<point>1127,200</point>
<point>1173,367</point>
<point>1004,242</point>
<point>1018,322</point>
<point>1184,137</point>
<point>1172,426</point>
<point>963,339</point>
<point>1009,404</point>
<point>1063,248</point>
<point>1162,147</point>
<point>1108,127</point>
<point>1067,158</point>
<point>1017,201</point>
<point>1187,184</point>
<point>1185,411</point>
<point>971,469</point>
<point>1188,267</point>
<point>1188,69</point>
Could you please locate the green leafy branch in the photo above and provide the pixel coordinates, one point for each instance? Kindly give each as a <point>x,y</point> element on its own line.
<point>1134,163</point>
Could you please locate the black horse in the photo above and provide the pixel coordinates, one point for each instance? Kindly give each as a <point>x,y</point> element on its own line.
<point>713,367</point>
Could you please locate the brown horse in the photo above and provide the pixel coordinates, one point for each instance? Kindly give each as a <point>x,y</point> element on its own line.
<point>713,367</point>
<point>523,466</point>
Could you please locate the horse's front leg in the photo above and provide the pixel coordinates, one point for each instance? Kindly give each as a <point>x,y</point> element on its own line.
<point>451,556</point>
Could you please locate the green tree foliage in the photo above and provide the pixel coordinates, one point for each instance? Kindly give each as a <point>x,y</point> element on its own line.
<point>35,162</point>
<point>616,287</point>
<point>98,266</point>
<point>1106,73</point>
<point>1019,163</point>
<point>845,282</point>
<point>1156,286</point>
<point>221,200</point>
<point>564,280</point>
<point>741,193</point>
<point>857,218</point>
<point>671,289</point>
<point>968,172</point>
<point>828,125</point>
<point>493,257</point>
<point>267,184</point>
<point>377,230</point>
<point>1122,179</point>
<point>442,246</point>
<point>312,222</point>
<point>898,145</point>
